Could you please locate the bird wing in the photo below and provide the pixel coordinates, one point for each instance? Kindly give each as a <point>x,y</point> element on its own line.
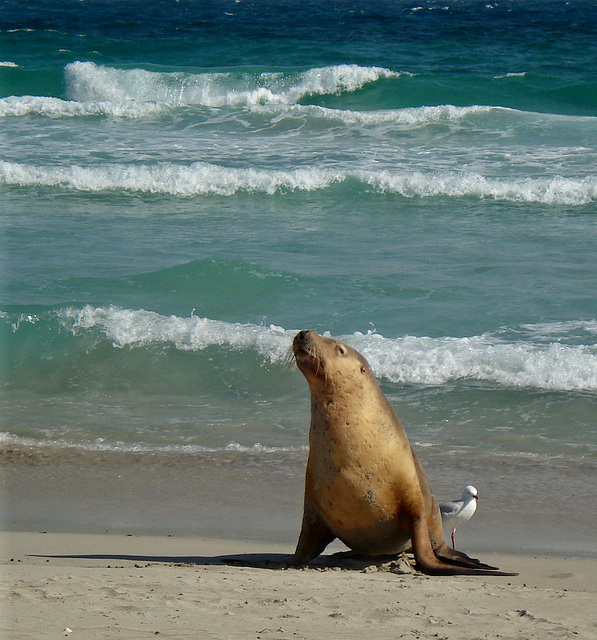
<point>449,509</point>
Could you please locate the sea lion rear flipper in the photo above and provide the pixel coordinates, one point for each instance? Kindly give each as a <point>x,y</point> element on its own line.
<point>459,563</point>
<point>460,559</point>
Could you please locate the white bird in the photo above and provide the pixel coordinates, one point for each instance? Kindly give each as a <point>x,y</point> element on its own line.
<point>459,511</point>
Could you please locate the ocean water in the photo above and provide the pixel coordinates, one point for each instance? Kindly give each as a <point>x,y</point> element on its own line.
<point>185,185</point>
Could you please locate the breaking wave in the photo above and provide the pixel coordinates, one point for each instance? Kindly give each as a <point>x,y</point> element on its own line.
<point>201,178</point>
<point>88,82</point>
<point>533,360</point>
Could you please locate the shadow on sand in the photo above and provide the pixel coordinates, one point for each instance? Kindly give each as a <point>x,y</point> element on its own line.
<point>342,560</point>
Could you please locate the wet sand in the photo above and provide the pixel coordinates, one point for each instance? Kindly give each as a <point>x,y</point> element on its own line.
<point>529,506</point>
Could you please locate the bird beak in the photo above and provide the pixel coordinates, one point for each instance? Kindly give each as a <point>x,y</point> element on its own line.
<point>476,497</point>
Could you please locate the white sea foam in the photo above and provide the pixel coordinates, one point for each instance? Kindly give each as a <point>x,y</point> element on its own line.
<point>202,178</point>
<point>519,74</point>
<point>87,82</point>
<point>56,107</point>
<point>7,63</point>
<point>123,107</point>
<point>100,445</point>
<point>558,331</point>
<point>409,359</point>
<point>126,327</point>
<point>484,358</point>
<point>549,190</point>
<point>412,116</point>
<point>198,178</point>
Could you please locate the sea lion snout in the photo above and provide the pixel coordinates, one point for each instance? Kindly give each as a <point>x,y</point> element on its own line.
<point>301,336</point>
<point>309,352</point>
<point>302,346</point>
<point>303,342</point>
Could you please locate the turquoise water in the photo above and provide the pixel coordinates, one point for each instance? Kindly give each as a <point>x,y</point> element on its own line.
<point>184,187</point>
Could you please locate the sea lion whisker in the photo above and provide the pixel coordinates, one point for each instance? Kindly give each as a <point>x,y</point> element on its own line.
<point>288,360</point>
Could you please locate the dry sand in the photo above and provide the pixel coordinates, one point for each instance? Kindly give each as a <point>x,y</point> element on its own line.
<point>88,586</point>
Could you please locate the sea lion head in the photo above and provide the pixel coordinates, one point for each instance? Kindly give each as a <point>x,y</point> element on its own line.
<point>328,363</point>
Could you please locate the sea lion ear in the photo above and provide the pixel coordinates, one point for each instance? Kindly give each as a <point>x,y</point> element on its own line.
<point>363,370</point>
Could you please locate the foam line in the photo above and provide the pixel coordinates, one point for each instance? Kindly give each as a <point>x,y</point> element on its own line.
<point>202,178</point>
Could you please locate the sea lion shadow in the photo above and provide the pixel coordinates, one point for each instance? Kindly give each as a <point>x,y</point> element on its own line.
<point>267,560</point>
<point>343,560</point>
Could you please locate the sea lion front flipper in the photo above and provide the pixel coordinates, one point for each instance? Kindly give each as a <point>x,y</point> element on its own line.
<point>314,538</point>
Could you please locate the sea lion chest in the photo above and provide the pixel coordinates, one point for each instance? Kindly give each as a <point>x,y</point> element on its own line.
<point>360,463</point>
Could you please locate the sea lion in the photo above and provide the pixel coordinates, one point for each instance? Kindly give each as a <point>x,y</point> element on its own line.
<point>364,484</point>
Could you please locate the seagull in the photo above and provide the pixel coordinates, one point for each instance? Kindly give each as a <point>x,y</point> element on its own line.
<point>459,511</point>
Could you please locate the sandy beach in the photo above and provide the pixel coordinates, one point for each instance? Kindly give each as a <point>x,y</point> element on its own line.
<point>137,546</point>
<point>119,586</point>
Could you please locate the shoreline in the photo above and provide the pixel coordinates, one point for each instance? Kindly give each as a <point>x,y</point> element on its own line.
<point>524,506</point>
<point>137,586</point>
